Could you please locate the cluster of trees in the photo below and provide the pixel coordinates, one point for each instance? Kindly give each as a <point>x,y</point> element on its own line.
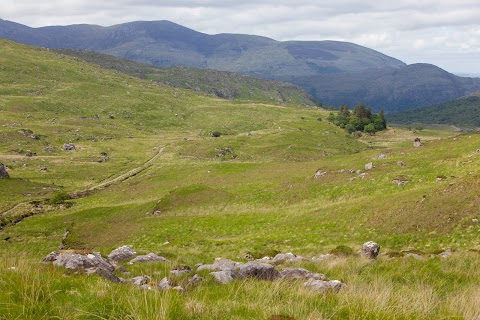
<point>361,118</point>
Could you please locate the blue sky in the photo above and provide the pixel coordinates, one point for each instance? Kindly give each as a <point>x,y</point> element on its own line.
<point>441,32</point>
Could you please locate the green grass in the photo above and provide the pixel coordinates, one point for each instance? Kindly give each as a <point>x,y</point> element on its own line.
<point>261,198</point>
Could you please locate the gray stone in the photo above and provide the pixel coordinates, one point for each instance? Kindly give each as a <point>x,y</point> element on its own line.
<point>322,286</point>
<point>209,267</point>
<point>369,166</point>
<point>258,270</point>
<point>446,254</point>
<point>222,264</point>
<point>71,260</point>
<point>401,163</point>
<point>225,276</point>
<point>195,280</point>
<point>417,143</point>
<point>3,172</point>
<point>414,256</point>
<point>151,257</point>
<point>178,288</point>
<point>164,284</point>
<point>122,253</point>
<point>300,273</point>
<point>52,256</point>
<point>69,147</point>
<point>180,270</point>
<point>319,174</point>
<point>140,280</point>
<point>265,260</point>
<point>370,250</point>
<point>107,274</point>
<point>286,257</point>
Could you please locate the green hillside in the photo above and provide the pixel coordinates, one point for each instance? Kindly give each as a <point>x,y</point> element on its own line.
<point>463,113</point>
<point>227,85</point>
<point>192,178</point>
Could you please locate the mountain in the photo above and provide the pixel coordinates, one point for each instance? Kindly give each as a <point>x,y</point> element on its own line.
<point>223,84</point>
<point>392,89</point>
<point>463,112</point>
<point>333,72</point>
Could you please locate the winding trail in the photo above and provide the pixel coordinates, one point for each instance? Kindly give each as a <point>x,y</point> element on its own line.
<point>30,208</point>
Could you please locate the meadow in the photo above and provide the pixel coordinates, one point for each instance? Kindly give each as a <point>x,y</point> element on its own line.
<point>224,178</point>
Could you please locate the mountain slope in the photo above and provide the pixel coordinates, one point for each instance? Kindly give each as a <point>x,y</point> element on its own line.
<point>391,89</point>
<point>227,85</point>
<point>463,112</point>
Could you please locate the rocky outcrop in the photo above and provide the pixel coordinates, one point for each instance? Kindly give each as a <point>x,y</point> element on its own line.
<point>258,270</point>
<point>71,260</point>
<point>322,286</point>
<point>69,147</point>
<point>300,273</point>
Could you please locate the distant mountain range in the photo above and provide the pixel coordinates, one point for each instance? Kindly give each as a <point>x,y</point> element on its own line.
<point>333,72</point>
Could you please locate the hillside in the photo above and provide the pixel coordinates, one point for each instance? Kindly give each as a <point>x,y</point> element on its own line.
<point>463,113</point>
<point>226,85</point>
<point>192,178</point>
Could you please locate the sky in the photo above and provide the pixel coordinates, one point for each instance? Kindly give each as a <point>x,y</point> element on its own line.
<point>442,32</point>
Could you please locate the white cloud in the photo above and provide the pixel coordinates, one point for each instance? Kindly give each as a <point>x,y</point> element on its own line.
<point>433,31</point>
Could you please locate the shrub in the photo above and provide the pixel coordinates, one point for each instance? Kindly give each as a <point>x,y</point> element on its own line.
<point>215,134</point>
<point>59,197</point>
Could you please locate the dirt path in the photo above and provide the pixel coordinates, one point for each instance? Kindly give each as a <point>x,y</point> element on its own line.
<point>29,208</point>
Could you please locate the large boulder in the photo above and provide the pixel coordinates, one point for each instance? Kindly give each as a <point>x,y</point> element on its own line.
<point>225,276</point>
<point>3,172</point>
<point>72,260</point>
<point>258,270</point>
<point>107,274</point>
<point>370,250</point>
<point>122,253</point>
<point>151,257</point>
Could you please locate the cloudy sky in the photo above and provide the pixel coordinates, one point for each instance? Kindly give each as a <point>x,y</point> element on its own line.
<point>442,32</point>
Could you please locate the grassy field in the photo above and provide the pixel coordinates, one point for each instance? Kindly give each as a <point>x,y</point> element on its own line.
<point>249,190</point>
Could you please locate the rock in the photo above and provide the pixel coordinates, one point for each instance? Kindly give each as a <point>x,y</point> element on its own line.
<point>319,174</point>
<point>206,267</point>
<point>258,270</point>
<point>284,257</point>
<point>445,254</point>
<point>249,257</point>
<point>195,280</point>
<point>52,256</point>
<point>475,221</point>
<point>265,260</point>
<point>180,270</point>
<point>151,257</point>
<point>164,284</point>
<point>122,253</point>
<point>72,260</point>
<point>369,166</point>
<point>3,172</point>
<point>225,276</point>
<point>322,286</point>
<point>414,256</point>
<point>323,257</point>
<point>107,274</point>
<point>400,163</point>
<point>69,146</point>
<point>178,288</point>
<point>300,273</point>
<point>221,264</point>
<point>370,250</point>
<point>417,143</point>
<point>140,280</point>
<point>381,156</point>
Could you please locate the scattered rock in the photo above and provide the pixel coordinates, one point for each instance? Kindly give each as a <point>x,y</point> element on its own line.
<point>52,256</point>
<point>258,270</point>
<point>381,156</point>
<point>446,254</point>
<point>69,146</point>
<point>3,172</point>
<point>417,143</point>
<point>178,288</point>
<point>370,250</point>
<point>401,163</point>
<point>180,270</point>
<point>475,221</point>
<point>122,253</point>
<point>195,280</point>
<point>71,260</point>
<point>414,256</point>
<point>319,174</point>
<point>225,276</point>
<point>164,284</point>
<point>140,280</point>
<point>151,257</point>
<point>222,264</point>
<point>300,273</point>
<point>43,170</point>
<point>248,256</point>
<point>322,286</point>
<point>369,166</point>
<point>284,257</point>
<point>107,274</point>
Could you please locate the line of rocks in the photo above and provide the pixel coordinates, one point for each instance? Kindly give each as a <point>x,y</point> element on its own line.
<point>222,270</point>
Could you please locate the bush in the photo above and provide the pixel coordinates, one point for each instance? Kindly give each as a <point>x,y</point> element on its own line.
<point>215,134</point>
<point>59,197</point>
